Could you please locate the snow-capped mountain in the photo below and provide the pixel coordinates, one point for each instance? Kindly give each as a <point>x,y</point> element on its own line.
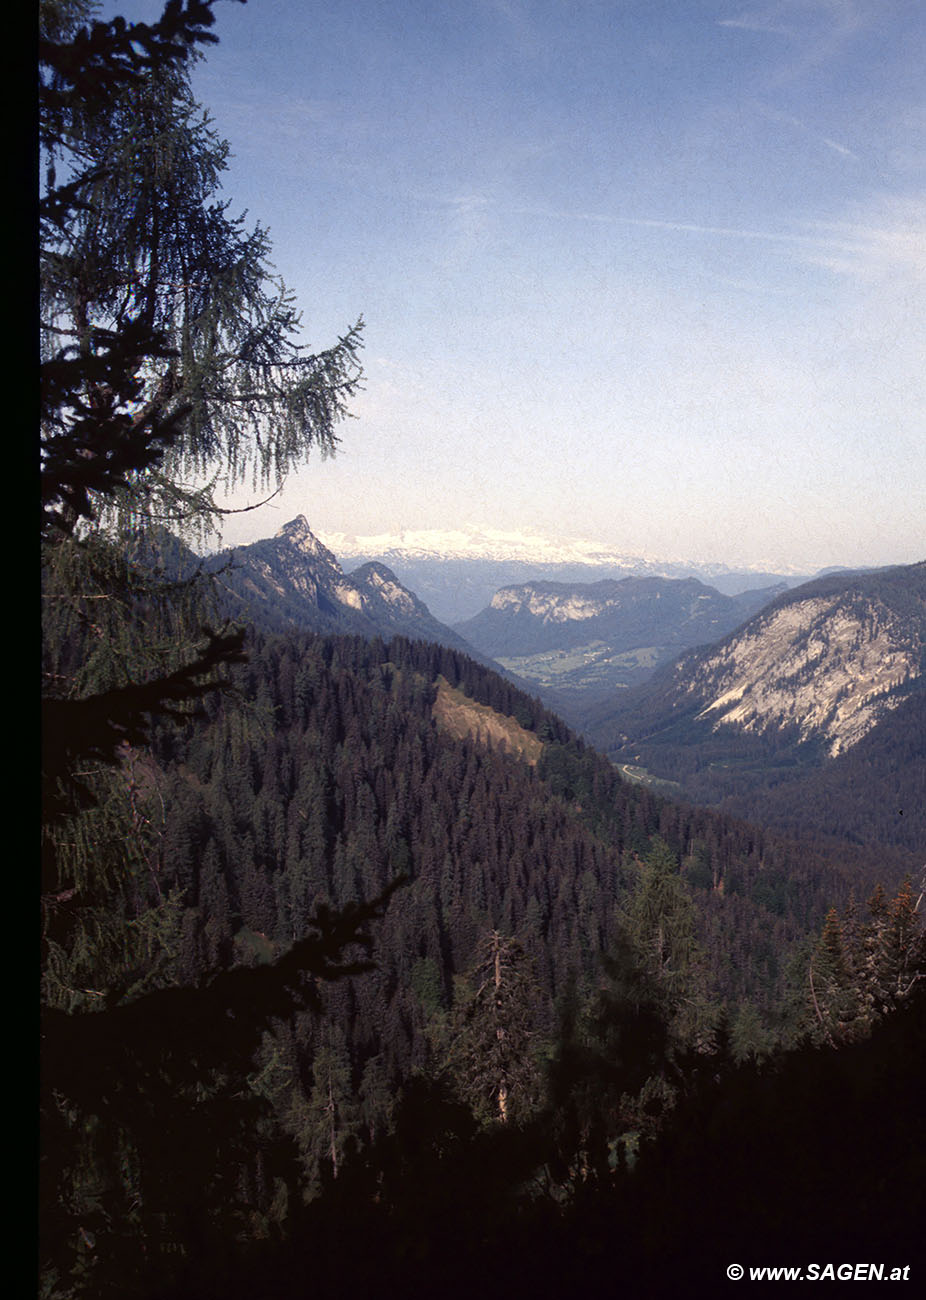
<point>477,543</point>
<point>499,545</point>
<point>458,571</point>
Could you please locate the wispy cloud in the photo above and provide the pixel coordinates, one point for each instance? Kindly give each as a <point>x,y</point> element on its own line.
<point>470,213</point>
<point>886,241</point>
<point>787,119</point>
<point>836,146</point>
<point>756,24</point>
<point>463,221</point>
<point>696,228</point>
<point>817,30</point>
<point>791,17</point>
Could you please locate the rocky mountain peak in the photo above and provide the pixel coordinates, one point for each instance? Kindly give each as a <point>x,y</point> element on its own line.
<point>293,580</point>
<point>298,534</point>
<point>379,583</point>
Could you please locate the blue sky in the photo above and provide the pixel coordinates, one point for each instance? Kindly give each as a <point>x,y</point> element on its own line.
<point>651,273</point>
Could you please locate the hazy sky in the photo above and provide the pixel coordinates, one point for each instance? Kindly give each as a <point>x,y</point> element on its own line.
<point>651,273</point>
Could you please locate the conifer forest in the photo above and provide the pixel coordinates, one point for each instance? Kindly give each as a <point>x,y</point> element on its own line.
<point>338,999</point>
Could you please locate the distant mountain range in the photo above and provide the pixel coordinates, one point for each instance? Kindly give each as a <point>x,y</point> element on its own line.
<point>562,640</point>
<point>457,572</point>
<point>596,637</point>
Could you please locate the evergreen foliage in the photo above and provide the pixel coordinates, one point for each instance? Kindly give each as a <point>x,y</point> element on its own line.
<point>493,1053</point>
<point>864,968</point>
<point>169,352</point>
<point>315,794</point>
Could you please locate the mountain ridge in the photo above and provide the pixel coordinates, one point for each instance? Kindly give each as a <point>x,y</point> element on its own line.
<point>292,580</point>
<point>595,637</point>
<point>797,688</point>
<point>457,571</point>
<point>530,547</point>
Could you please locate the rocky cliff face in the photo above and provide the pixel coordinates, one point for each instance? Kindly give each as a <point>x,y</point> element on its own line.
<point>293,566</point>
<point>829,666</point>
<point>801,683</point>
<point>811,717</point>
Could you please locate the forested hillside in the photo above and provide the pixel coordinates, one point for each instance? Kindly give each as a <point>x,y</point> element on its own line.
<point>340,769</point>
<point>599,914</point>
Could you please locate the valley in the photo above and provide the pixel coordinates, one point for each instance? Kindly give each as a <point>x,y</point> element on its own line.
<point>756,701</point>
<point>813,686</point>
<point>575,641</point>
<point>589,669</point>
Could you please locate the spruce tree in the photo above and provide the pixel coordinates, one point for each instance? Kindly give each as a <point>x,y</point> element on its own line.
<point>660,923</point>
<point>172,363</point>
<point>171,355</point>
<point>861,970</point>
<point>495,1045</point>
